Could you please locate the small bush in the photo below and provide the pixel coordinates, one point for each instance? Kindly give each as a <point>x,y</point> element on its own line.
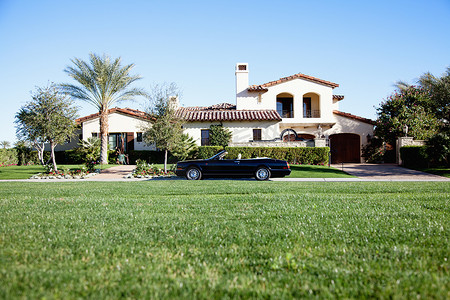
<point>414,156</point>
<point>438,149</point>
<point>8,157</point>
<point>143,168</point>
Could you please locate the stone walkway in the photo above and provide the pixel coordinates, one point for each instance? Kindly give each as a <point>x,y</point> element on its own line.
<point>113,173</point>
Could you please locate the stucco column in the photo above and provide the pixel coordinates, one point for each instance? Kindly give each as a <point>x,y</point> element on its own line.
<point>320,142</point>
<point>402,141</point>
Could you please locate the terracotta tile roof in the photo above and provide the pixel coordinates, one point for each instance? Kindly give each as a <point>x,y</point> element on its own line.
<point>225,112</point>
<point>126,111</point>
<point>347,115</point>
<point>220,106</point>
<point>338,97</point>
<point>264,87</point>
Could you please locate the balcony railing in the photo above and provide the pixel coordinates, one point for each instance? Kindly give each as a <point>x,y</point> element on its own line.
<point>311,114</point>
<point>286,113</point>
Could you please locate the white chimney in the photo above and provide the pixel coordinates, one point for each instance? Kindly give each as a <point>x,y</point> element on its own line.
<point>241,78</point>
<point>174,102</point>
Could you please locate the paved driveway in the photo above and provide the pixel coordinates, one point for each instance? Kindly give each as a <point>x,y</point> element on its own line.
<point>388,172</point>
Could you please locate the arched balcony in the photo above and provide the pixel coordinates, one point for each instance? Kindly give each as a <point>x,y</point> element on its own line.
<point>311,105</point>
<point>285,105</point>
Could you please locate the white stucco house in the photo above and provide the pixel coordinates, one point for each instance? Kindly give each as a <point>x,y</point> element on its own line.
<point>125,128</point>
<point>298,110</point>
<point>294,111</point>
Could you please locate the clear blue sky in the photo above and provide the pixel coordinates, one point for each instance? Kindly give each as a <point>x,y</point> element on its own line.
<point>365,46</point>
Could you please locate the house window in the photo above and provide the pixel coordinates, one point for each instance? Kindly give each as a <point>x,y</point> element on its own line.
<point>117,141</point>
<point>311,106</point>
<point>285,106</point>
<point>205,137</point>
<point>138,137</point>
<point>256,134</point>
<point>95,135</point>
<point>307,107</point>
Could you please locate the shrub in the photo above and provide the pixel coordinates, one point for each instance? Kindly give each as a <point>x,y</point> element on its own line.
<point>143,168</point>
<point>156,157</point>
<point>438,149</point>
<point>414,156</point>
<point>8,157</point>
<point>26,155</point>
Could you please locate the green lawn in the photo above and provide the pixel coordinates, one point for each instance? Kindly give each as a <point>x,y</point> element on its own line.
<point>25,172</point>
<point>310,171</point>
<point>298,171</point>
<point>445,172</point>
<point>227,239</point>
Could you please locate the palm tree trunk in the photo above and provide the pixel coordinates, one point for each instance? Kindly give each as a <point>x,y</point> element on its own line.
<point>104,137</point>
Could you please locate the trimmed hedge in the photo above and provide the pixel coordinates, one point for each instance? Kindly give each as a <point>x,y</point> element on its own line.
<point>8,157</point>
<point>294,155</point>
<point>205,152</point>
<point>414,156</point>
<point>156,157</point>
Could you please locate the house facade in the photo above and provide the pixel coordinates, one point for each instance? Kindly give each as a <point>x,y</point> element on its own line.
<point>298,111</point>
<point>294,111</point>
<point>126,128</point>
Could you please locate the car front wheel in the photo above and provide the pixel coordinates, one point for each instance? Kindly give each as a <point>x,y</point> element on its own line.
<point>262,173</point>
<point>193,174</point>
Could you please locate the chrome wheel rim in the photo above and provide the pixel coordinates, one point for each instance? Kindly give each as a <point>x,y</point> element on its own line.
<point>262,173</point>
<point>193,174</point>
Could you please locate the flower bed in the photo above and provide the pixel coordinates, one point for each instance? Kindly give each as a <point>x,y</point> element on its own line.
<point>80,173</point>
<point>146,170</point>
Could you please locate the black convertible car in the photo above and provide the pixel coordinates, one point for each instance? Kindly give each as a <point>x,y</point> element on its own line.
<point>217,166</point>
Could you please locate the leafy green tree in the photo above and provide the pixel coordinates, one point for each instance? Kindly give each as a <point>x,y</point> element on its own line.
<point>165,130</point>
<point>438,149</point>
<point>185,147</point>
<point>90,149</point>
<point>102,82</point>
<point>439,91</point>
<point>219,135</point>
<point>409,106</point>
<point>48,118</point>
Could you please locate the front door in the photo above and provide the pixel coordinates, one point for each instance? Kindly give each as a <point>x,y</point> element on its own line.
<point>345,148</point>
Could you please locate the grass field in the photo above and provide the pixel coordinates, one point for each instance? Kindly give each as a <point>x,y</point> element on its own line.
<point>445,172</point>
<point>224,239</point>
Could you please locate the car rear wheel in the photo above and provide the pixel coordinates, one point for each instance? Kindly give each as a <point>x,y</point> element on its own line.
<point>262,173</point>
<point>193,173</point>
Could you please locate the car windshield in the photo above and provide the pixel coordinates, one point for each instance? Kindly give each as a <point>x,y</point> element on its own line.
<point>219,155</point>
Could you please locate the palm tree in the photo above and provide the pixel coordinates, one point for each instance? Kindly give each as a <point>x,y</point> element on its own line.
<point>103,82</point>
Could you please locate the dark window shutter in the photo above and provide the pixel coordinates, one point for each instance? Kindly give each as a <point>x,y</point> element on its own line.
<point>130,141</point>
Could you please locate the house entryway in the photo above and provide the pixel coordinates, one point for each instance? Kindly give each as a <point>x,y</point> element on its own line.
<point>345,148</point>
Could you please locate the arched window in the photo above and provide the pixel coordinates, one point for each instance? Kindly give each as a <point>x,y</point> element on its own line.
<point>311,105</point>
<point>285,105</point>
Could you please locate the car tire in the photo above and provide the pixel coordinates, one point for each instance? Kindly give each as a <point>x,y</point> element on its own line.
<point>193,173</point>
<point>262,173</point>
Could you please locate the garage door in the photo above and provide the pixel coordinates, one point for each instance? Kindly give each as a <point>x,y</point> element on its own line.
<point>345,148</point>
